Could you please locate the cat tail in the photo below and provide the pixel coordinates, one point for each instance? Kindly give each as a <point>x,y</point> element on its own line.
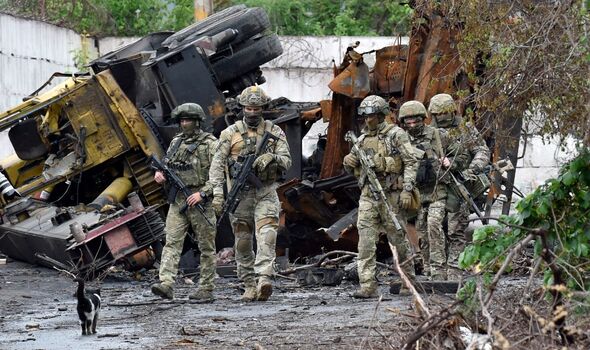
<point>80,292</point>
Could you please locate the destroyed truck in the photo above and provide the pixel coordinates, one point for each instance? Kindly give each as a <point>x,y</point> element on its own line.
<point>81,148</point>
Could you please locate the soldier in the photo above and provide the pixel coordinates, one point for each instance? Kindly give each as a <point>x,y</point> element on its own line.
<point>395,167</point>
<point>436,156</point>
<point>258,210</point>
<point>189,156</point>
<point>443,111</point>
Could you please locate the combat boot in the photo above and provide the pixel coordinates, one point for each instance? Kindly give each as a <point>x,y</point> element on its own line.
<point>202,295</point>
<point>366,292</point>
<point>264,289</point>
<point>163,290</point>
<point>249,294</point>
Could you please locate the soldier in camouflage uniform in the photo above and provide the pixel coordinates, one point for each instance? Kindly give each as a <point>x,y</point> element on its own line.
<point>258,211</point>
<point>189,156</point>
<point>395,167</point>
<point>436,156</point>
<point>443,112</point>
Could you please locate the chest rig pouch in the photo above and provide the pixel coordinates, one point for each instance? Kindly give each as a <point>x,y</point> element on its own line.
<point>426,174</point>
<point>250,144</point>
<point>381,145</point>
<point>189,159</point>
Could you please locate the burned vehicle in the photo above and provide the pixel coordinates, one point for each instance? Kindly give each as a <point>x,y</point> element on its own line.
<point>81,148</point>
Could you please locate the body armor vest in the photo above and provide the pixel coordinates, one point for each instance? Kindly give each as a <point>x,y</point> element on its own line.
<point>244,141</point>
<point>189,158</point>
<point>381,143</point>
<point>429,165</point>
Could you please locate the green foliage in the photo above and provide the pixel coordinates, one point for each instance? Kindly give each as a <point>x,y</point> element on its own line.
<point>562,207</point>
<point>140,17</point>
<point>535,56</point>
<point>107,17</point>
<point>467,293</point>
<point>335,17</point>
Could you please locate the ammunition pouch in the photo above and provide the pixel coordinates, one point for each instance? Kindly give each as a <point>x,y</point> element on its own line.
<point>270,173</point>
<point>426,175</point>
<point>234,167</point>
<point>393,165</point>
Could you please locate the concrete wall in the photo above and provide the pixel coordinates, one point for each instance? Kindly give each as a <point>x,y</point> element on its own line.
<point>31,51</point>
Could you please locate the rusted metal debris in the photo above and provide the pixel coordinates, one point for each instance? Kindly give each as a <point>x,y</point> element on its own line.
<point>319,201</point>
<point>321,214</point>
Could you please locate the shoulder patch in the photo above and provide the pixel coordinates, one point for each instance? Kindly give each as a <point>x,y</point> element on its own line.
<point>276,130</point>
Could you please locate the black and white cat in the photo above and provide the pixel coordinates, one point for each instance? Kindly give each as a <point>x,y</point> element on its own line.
<point>88,308</point>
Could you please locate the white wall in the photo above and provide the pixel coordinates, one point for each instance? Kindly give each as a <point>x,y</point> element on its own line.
<point>31,51</point>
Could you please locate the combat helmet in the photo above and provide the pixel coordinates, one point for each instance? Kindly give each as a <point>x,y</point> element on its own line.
<point>253,96</point>
<point>411,109</point>
<point>442,109</point>
<point>373,104</point>
<point>188,111</point>
<point>442,103</point>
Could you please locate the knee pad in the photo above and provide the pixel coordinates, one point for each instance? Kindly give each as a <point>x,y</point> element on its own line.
<point>241,229</point>
<point>270,221</point>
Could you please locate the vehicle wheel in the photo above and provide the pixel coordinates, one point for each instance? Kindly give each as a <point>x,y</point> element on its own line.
<point>174,39</point>
<point>250,57</point>
<point>248,23</point>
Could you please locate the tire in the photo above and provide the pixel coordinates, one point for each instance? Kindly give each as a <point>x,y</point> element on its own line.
<point>248,23</point>
<point>179,36</point>
<point>250,57</point>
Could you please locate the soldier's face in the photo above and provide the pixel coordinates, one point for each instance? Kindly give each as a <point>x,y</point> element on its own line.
<point>443,120</point>
<point>413,124</point>
<point>372,121</point>
<point>252,114</point>
<point>188,126</point>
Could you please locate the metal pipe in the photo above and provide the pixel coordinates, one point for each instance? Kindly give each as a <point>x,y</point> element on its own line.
<point>114,193</point>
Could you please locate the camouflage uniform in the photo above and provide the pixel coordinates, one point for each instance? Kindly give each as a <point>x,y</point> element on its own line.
<point>190,156</point>
<point>432,143</point>
<point>443,112</point>
<point>395,167</point>
<point>258,210</point>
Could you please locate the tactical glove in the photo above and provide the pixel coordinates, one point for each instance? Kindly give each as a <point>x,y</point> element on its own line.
<point>350,161</point>
<point>263,161</point>
<point>217,204</point>
<point>405,199</point>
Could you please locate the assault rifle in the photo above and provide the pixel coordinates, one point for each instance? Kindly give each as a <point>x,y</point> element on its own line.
<point>374,184</point>
<point>460,189</point>
<point>241,174</point>
<point>176,184</point>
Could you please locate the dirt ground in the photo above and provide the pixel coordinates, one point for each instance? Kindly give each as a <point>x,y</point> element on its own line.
<point>38,311</point>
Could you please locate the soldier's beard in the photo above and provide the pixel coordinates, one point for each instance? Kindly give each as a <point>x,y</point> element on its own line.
<point>373,123</point>
<point>190,128</point>
<point>252,119</point>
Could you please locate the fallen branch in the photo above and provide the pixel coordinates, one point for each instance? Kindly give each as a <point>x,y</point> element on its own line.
<point>517,248</point>
<point>430,324</point>
<point>372,322</point>
<point>420,304</point>
<point>322,259</point>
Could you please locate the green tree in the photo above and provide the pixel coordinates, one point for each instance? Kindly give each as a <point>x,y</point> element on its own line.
<point>98,17</point>
<point>335,17</point>
<point>140,17</point>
